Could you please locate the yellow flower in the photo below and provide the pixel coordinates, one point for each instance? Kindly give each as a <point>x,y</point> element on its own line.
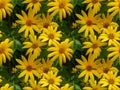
<point>51,35</point>
<point>7,87</point>
<point>46,21</point>
<point>93,4</point>
<point>14,25</point>
<point>94,86</point>
<point>89,22</point>
<point>29,67</point>
<point>61,50</point>
<point>88,67</point>
<point>51,80</point>
<point>14,70</point>
<point>111,80</point>
<point>1,79</point>
<point>93,46</point>
<point>115,7</point>
<point>74,70</point>
<point>5,7</point>
<point>61,7</point>
<point>67,87</point>
<point>111,35</point>
<point>33,46</point>
<point>5,51</point>
<point>114,52</point>
<point>29,22</point>
<point>34,86</point>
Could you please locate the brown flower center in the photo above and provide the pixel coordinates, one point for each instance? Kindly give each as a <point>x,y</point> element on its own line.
<point>51,36</point>
<point>111,36</point>
<point>61,5</point>
<point>94,1</point>
<point>35,88</point>
<point>89,23</point>
<point>29,22</point>
<point>2,49</point>
<point>61,50</point>
<point>51,81</point>
<point>46,70</point>
<point>34,1</point>
<point>105,25</point>
<point>29,68</point>
<point>35,45</point>
<point>89,68</point>
<point>2,4</point>
<point>95,88</point>
<point>46,24</point>
<point>105,70</point>
<point>111,81</point>
<point>95,45</point>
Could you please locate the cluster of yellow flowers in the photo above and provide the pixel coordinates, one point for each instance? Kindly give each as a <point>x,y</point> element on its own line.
<point>42,33</point>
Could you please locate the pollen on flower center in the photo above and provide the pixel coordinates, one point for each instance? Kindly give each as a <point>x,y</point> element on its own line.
<point>89,23</point>
<point>95,45</point>
<point>34,1</point>
<point>61,5</point>
<point>46,70</point>
<point>51,81</point>
<point>61,50</point>
<point>34,45</point>
<point>111,81</point>
<point>51,36</point>
<point>89,68</point>
<point>94,1</point>
<point>2,49</point>
<point>29,68</point>
<point>111,36</point>
<point>29,22</point>
<point>105,25</point>
<point>2,4</point>
<point>105,70</point>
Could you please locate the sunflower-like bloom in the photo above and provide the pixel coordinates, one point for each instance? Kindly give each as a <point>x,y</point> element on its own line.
<point>93,4</point>
<point>34,86</point>
<point>29,22</point>
<point>89,67</point>
<point>33,4</point>
<point>115,7</point>
<point>33,46</point>
<point>89,22</point>
<point>93,46</point>
<point>60,6</point>
<point>5,51</point>
<point>67,87</point>
<point>7,87</point>
<point>94,86</point>
<point>28,67</point>
<point>46,21</point>
<point>51,80</point>
<point>111,35</point>
<point>5,7</point>
<point>61,50</point>
<point>110,80</point>
<point>51,35</point>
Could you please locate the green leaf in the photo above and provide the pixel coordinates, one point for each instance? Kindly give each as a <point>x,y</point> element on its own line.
<point>77,87</point>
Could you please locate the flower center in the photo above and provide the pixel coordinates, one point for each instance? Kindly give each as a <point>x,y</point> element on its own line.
<point>61,5</point>
<point>105,70</point>
<point>2,4</point>
<point>61,50</point>
<point>34,1</point>
<point>95,88</point>
<point>89,23</point>
<point>89,68</point>
<point>46,24</point>
<point>95,45</point>
<point>51,81</point>
<point>34,45</point>
<point>105,25</point>
<point>94,1</point>
<point>50,36</point>
<point>29,22</point>
<point>111,36</point>
<point>46,70</point>
<point>29,68</point>
<point>2,49</point>
<point>111,81</point>
<point>35,89</point>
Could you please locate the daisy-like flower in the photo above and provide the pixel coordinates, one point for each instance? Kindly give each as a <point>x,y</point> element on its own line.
<point>111,35</point>
<point>5,51</point>
<point>88,67</point>
<point>114,52</point>
<point>106,66</point>
<point>89,22</point>
<point>34,86</point>
<point>93,4</point>
<point>61,50</point>
<point>33,46</point>
<point>7,87</point>
<point>114,7</point>
<point>61,7</point>
<point>29,22</point>
<point>5,7</point>
<point>29,67</point>
<point>106,22</point>
<point>111,80</point>
<point>93,46</point>
<point>67,87</point>
<point>51,80</point>
<point>46,21</point>
<point>94,86</point>
<point>33,4</point>
<point>51,35</point>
